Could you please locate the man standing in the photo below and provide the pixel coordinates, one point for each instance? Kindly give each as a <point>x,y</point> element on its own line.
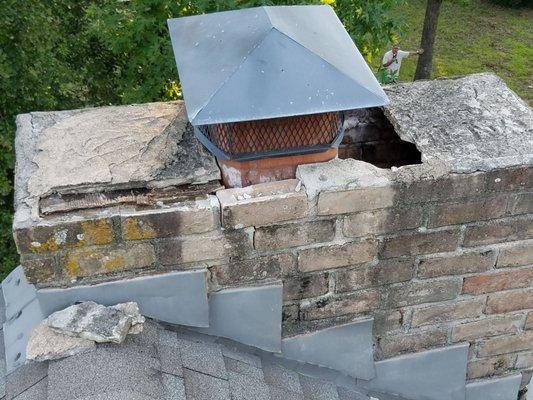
<point>392,60</point>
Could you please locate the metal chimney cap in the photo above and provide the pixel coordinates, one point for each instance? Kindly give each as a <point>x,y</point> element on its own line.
<point>269,62</point>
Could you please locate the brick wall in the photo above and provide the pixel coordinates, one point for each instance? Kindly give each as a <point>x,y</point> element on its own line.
<point>434,261</point>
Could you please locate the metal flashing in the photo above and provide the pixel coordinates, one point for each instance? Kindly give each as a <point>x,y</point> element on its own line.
<point>505,388</point>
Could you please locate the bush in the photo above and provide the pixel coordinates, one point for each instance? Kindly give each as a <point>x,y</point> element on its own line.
<point>513,3</point>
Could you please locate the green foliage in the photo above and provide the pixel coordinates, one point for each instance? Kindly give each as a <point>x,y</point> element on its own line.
<point>61,54</point>
<point>386,76</point>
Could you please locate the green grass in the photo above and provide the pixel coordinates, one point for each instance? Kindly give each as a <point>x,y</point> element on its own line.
<point>476,37</point>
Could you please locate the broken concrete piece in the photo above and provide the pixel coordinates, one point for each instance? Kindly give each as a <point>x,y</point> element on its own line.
<point>91,321</point>
<point>470,123</point>
<point>44,343</point>
<point>132,310</point>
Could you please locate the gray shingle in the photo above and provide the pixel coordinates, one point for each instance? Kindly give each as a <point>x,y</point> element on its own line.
<point>244,369</point>
<point>174,387</point>
<point>246,388</point>
<point>168,338</point>
<point>203,357</point>
<point>347,394</point>
<point>170,358</point>
<point>107,369</point>
<point>240,354</point>
<point>119,395</point>
<point>199,386</point>
<point>282,394</point>
<point>36,392</point>
<point>281,377</point>
<point>25,377</point>
<point>318,389</point>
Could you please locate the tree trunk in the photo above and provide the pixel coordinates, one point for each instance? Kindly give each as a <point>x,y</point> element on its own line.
<point>429,32</point>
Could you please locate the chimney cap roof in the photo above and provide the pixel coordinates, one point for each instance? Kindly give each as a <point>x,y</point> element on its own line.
<point>269,62</point>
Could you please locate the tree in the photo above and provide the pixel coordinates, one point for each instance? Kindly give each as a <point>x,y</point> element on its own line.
<point>429,33</point>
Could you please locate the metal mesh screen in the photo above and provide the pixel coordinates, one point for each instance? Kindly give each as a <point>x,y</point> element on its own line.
<point>277,135</point>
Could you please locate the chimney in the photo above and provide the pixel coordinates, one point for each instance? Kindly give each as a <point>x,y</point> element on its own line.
<point>265,88</point>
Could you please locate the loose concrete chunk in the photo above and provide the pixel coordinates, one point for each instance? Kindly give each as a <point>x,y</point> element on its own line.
<point>346,348</point>
<point>494,389</point>
<point>132,310</point>
<point>429,375</point>
<point>46,344</point>
<point>91,321</point>
<point>340,174</point>
<point>250,315</point>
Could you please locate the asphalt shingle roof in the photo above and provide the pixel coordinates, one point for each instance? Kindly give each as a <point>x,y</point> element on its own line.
<point>165,364</point>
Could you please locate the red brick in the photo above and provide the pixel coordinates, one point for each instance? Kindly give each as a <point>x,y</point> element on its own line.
<point>509,301</point>
<point>355,303</point>
<point>387,271</point>
<point>412,342</point>
<point>510,179</point>
<point>515,256</point>
<point>523,204</point>
<point>506,344</point>
<point>306,286</point>
<point>491,326</point>
<point>410,293</point>
<point>459,213</point>
<point>350,201</point>
<point>498,232</point>
<point>335,256</point>
<point>529,321</point>
<point>456,265</point>
<point>291,235</point>
<point>420,243</point>
<point>382,221</point>
<point>495,282</point>
<point>485,367</point>
<point>454,311</point>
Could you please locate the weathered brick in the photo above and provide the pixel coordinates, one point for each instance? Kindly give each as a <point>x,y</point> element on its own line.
<point>515,256</point>
<point>522,204</point>
<point>291,235</point>
<point>290,313</point>
<point>262,204</point>
<point>459,213</point>
<point>509,301</point>
<point>387,321</point>
<point>386,271</point>
<point>182,219</point>
<point>87,262</point>
<point>485,367</point>
<point>439,313</point>
<point>412,342</point>
<point>448,187</point>
<point>495,282</point>
<point>306,286</point>
<point>491,326</point>
<point>529,321</point>
<point>382,221</point>
<point>498,232</point>
<point>524,360</point>
<point>61,235</point>
<point>420,243</point>
<point>351,201</point>
<point>267,267</point>
<point>220,245</point>
<point>456,265</point>
<point>510,179</point>
<point>405,294</point>
<point>39,271</point>
<point>355,303</point>
<point>327,257</point>
<point>506,344</point>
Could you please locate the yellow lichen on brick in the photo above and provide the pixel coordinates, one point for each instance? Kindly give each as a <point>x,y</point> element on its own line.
<point>114,263</point>
<point>96,232</point>
<point>44,247</point>
<point>132,229</point>
<point>72,268</point>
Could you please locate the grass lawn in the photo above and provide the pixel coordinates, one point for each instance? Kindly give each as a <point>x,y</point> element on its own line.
<point>474,38</point>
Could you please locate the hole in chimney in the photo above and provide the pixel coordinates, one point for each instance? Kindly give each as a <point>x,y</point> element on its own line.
<point>369,136</point>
